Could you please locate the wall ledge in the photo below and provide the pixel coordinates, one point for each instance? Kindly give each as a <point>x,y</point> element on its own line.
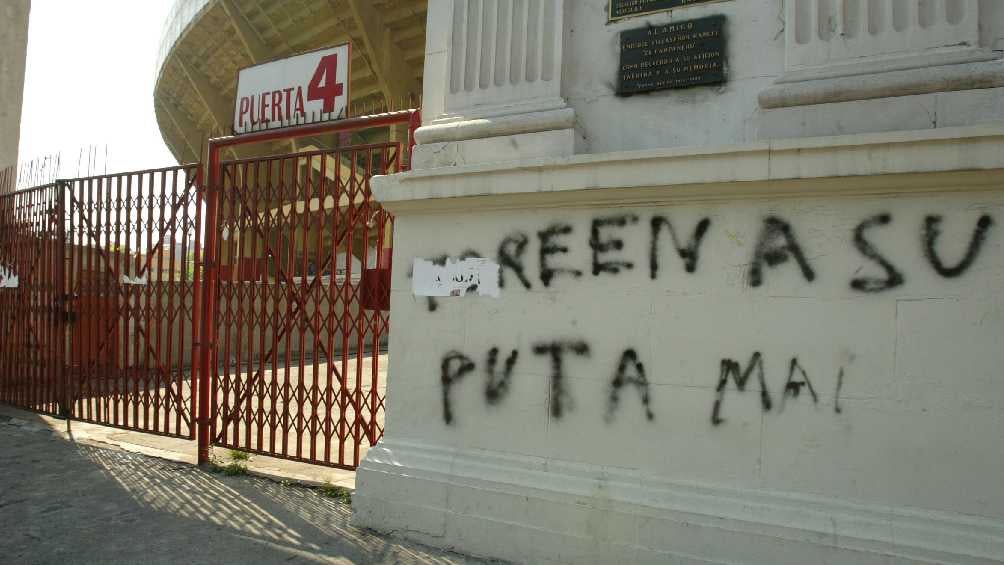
<point>495,126</point>
<point>446,486</point>
<point>940,160</point>
<point>885,84</point>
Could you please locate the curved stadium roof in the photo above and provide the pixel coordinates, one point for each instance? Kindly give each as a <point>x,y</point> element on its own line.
<point>206,42</point>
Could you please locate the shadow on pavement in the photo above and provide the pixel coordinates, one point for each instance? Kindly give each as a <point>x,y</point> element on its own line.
<point>62,502</point>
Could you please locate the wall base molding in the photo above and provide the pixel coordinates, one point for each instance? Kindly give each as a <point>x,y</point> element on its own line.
<point>525,508</point>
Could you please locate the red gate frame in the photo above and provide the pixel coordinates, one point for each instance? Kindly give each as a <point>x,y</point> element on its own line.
<point>206,344</point>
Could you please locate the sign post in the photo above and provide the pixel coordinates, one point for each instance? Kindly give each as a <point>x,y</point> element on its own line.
<point>304,89</point>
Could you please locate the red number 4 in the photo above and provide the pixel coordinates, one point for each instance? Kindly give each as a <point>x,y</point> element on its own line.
<point>326,71</point>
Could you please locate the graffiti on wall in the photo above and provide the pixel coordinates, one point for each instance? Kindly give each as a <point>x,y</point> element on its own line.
<point>627,377</point>
<point>777,246</point>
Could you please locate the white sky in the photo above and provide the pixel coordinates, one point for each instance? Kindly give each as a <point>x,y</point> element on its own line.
<point>89,81</point>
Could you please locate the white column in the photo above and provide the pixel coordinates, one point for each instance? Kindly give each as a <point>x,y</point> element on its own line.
<point>493,83</point>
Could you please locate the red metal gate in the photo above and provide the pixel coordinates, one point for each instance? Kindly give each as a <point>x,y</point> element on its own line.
<point>297,278</point>
<point>99,325</point>
<point>32,342</point>
<point>301,243</point>
<point>132,261</point>
<point>106,324</point>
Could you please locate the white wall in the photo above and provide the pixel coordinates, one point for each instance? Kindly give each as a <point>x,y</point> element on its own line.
<point>897,459</point>
<point>920,361</point>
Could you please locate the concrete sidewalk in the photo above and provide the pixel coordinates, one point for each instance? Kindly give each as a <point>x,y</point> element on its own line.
<point>66,500</point>
<point>181,450</point>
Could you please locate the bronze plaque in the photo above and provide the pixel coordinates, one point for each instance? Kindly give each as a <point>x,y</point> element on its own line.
<point>620,9</point>
<point>675,55</point>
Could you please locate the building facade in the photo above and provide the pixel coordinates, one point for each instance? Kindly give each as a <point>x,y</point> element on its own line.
<point>751,321</point>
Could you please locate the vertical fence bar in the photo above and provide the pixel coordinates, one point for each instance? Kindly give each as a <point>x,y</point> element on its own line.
<point>60,324</point>
<point>210,273</point>
<point>197,314</point>
<point>72,291</point>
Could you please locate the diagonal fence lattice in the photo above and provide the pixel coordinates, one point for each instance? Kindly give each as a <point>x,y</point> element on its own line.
<point>270,340</point>
<point>301,324</point>
<point>98,298</point>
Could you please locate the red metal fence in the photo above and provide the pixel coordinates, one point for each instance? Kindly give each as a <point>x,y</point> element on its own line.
<point>297,278</point>
<point>298,352</point>
<point>102,286</point>
<point>31,291</point>
<point>99,324</point>
<point>132,251</point>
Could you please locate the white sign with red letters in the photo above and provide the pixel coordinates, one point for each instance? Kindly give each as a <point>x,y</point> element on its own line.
<point>308,88</point>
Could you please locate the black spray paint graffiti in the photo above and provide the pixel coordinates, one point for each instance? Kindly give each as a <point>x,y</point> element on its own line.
<point>630,371</point>
<point>893,277</point>
<point>602,246</point>
<point>776,244</point>
<point>690,254</point>
<point>510,256</point>
<point>932,230</point>
<point>731,368</point>
<point>559,397</point>
<point>793,388</point>
<point>836,395</point>
<point>798,379</point>
<point>497,386</point>
<point>454,367</point>
<point>513,248</point>
<point>549,247</point>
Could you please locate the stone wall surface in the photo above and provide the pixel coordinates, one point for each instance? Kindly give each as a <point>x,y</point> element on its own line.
<point>13,50</point>
<point>896,380</point>
<point>766,353</point>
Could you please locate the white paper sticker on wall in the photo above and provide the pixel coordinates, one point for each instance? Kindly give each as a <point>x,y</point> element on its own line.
<point>455,278</point>
<point>8,279</point>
